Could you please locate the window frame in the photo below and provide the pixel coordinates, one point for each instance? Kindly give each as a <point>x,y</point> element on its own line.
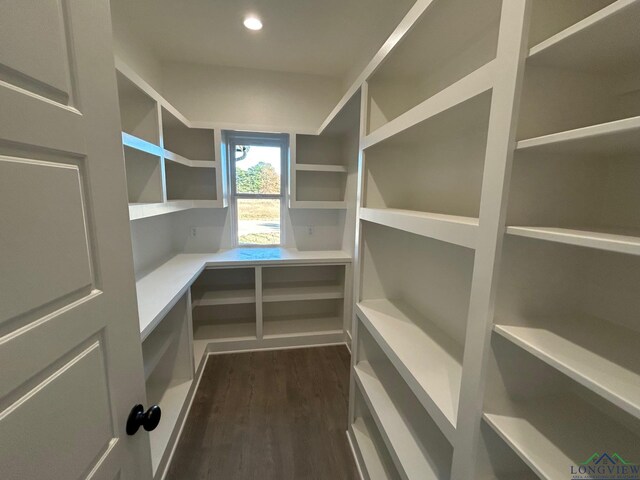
<point>262,140</point>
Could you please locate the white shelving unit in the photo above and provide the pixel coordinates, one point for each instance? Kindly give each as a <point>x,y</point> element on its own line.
<point>197,304</point>
<point>168,368</point>
<point>536,410</point>
<point>368,444</point>
<point>498,241</point>
<point>415,444</point>
<point>423,63</point>
<point>250,307</point>
<point>320,165</point>
<point>171,166</point>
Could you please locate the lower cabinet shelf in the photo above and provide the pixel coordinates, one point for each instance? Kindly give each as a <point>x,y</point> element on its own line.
<point>302,326</point>
<point>552,434</point>
<point>172,401</point>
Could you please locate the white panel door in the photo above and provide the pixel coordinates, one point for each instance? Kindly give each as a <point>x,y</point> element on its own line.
<point>70,354</point>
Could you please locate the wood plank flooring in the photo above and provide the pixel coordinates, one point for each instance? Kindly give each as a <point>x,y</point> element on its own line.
<point>273,415</point>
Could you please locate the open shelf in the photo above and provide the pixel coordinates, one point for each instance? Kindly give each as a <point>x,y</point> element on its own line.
<point>497,461</point>
<point>169,375</point>
<point>221,286</point>
<point>320,165</point>
<point>138,111</point>
<point>307,291</point>
<point>195,144</point>
<point>417,447</point>
<point>613,138</point>
<point>431,277</point>
<point>136,143</point>
<point>190,183</point>
<point>433,167</point>
<point>573,308</point>
<point>369,445</point>
<point>579,187</point>
<point>600,240</point>
<point>548,420</point>
<point>318,282</point>
<point>302,318</point>
<point>448,228</point>
<point>549,17</point>
<point>172,399</point>
<point>226,296</point>
<point>225,322</point>
<point>321,168</point>
<point>600,355</point>
<point>429,361</point>
<point>584,74</point>
<point>318,151</point>
<point>316,186</point>
<point>581,46</point>
<point>451,40</point>
<point>144,176</point>
<point>154,348</point>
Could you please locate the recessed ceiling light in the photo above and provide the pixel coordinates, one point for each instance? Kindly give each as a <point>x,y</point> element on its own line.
<point>252,23</point>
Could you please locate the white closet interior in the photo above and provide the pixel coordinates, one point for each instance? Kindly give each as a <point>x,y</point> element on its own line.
<point>478,184</point>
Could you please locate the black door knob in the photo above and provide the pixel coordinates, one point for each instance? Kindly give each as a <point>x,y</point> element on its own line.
<point>148,420</point>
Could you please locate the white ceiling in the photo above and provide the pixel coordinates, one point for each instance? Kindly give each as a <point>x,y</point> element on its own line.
<point>325,37</point>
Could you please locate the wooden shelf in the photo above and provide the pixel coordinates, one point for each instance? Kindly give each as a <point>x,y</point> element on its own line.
<point>448,228</point>
<point>600,355</point>
<point>228,296</point>
<point>291,326</point>
<point>309,167</point>
<point>429,361</point>
<point>172,401</point>
<point>550,434</point>
<point>397,431</point>
<point>474,84</point>
<point>611,138</point>
<point>302,291</point>
<point>606,41</point>
<point>600,240</point>
<point>154,349</point>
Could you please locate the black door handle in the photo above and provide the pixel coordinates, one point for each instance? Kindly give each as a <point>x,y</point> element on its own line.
<point>148,420</point>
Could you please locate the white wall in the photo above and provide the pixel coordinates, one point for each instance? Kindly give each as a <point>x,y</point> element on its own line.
<point>133,50</point>
<point>275,101</point>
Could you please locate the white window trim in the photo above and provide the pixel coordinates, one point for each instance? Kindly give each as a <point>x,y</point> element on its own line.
<point>262,139</point>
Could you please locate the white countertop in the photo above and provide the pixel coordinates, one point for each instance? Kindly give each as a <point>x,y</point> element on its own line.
<point>161,288</point>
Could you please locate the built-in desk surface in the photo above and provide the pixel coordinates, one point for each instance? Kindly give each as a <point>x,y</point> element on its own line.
<point>159,289</point>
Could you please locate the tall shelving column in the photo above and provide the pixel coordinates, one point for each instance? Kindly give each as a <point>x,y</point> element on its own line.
<point>511,54</point>
<point>562,380</point>
<point>425,118</point>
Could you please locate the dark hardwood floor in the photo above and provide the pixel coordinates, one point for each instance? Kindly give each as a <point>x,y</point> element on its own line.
<point>273,415</point>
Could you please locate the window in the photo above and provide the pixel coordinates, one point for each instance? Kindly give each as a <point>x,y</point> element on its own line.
<point>257,187</point>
